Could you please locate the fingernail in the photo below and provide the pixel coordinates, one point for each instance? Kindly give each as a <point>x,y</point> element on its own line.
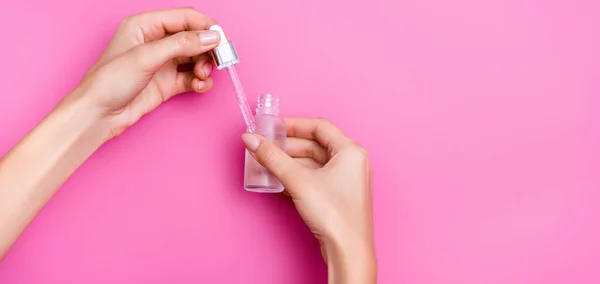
<point>207,69</point>
<point>251,141</point>
<point>201,85</point>
<point>209,37</point>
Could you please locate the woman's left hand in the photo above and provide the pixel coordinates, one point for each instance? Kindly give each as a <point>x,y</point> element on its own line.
<point>139,69</point>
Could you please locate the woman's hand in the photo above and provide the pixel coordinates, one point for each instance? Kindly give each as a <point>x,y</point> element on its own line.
<point>139,69</point>
<point>329,178</point>
<point>137,72</point>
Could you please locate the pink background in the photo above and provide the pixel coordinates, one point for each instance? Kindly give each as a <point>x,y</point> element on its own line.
<point>482,118</point>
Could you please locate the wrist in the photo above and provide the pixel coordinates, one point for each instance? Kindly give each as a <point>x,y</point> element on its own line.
<point>84,113</point>
<point>351,260</point>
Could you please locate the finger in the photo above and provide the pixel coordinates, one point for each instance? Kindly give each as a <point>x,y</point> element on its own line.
<point>156,25</point>
<point>309,163</point>
<point>150,57</point>
<point>202,86</point>
<point>305,148</point>
<point>203,66</point>
<point>319,129</point>
<point>270,156</point>
<point>183,82</point>
<point>193,59</point>
<point>183,60</point>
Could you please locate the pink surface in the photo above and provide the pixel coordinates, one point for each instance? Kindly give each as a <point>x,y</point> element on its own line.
<point>482,118</point>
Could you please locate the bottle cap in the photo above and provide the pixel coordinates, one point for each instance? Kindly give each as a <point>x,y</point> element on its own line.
<point>224,54</point>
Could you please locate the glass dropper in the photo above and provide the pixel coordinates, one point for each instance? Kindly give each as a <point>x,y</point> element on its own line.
<point>242,101</point>
<point>226,57</point>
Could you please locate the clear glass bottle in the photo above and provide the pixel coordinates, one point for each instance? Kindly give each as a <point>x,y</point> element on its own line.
<point>271,126</point>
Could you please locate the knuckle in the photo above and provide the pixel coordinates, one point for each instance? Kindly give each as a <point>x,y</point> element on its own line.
<point>310,150</point>
<point>270,157</point>
<point>138,55</point>
<point>265,154</point>
<point>187,9</point>
<point>128,21</point>
<point>360,152</point>
<point>322,120</point>
<point>185,39</point>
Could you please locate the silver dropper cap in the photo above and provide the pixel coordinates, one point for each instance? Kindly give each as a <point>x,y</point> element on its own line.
<point>224,54</point>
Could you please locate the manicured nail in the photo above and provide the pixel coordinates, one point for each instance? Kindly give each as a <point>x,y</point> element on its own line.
<point>251,141</point>
<point>209,37</point>
<point>207,69</point>
<point>201,85</point>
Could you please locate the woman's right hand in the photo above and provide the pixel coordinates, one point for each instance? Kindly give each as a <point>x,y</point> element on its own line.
<point>152,57</point>
<point>329,178</point>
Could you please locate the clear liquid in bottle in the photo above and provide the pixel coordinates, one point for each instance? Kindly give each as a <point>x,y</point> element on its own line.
<point>270,125</point>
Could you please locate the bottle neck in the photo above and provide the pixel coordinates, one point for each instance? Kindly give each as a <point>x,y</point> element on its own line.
<point>268,104</point>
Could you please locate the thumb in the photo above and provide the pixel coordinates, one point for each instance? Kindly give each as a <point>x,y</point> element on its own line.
<point>273,158</point>
<point>153,55</point>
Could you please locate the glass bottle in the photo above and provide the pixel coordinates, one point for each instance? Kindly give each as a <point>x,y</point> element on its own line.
<point>270,125</point>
